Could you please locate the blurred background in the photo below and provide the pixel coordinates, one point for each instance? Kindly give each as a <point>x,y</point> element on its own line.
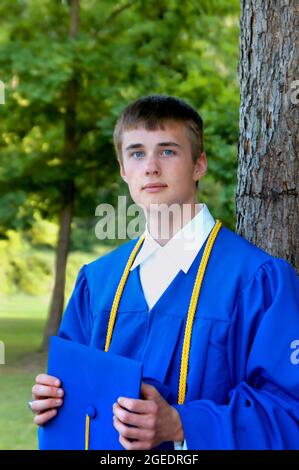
<point>68,69</point>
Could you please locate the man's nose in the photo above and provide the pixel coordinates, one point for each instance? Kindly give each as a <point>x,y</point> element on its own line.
<point>152,166</point>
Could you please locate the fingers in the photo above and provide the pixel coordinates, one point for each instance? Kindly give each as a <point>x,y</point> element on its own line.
<point>42,405</point>
<point>138,405</point>
<point>39,391</point>
<point>45,379</point>
<point>47,397</point>
<point>129,432</point>
<point>46,386</point>
<point>133,419</point>
<point>42,418</point>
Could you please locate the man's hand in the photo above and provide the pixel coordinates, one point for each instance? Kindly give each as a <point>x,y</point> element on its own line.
<point>47,397</point>
<point>149,422</point>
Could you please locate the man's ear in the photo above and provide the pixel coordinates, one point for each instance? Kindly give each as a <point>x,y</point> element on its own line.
<point>200,167</point>
<point>122,172</point>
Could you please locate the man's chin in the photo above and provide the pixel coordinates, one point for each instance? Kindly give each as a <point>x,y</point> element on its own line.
<point>156,203</point>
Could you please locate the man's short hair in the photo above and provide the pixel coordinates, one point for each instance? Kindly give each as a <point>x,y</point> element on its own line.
<point>153,112</point>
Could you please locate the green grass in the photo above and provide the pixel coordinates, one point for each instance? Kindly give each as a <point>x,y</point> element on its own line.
<point>24,306</point>
<point>17,430</point>
<point>21,337</point>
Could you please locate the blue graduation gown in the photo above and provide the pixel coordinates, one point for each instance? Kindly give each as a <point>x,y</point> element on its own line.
<point>242,386</point>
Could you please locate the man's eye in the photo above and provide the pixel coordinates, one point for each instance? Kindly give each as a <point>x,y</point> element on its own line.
<point>168,152</point>
<point>138,154</point>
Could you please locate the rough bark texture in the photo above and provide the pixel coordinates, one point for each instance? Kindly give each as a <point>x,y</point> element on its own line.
<point>267,191</point>
<point>67,198</point>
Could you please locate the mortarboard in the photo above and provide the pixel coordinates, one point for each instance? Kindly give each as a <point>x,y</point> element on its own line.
<point>92,381</point>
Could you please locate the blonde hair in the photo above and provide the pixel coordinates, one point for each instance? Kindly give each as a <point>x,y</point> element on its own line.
<point>153,112</point>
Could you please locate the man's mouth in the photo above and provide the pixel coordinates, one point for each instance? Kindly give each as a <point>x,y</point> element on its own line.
<point>154,187</point>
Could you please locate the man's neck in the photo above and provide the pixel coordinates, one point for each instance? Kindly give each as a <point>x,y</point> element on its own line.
<point>164,224</point>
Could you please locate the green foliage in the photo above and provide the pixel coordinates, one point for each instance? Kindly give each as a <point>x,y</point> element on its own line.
<point>22,269</point>
<point>27,262</point>
<point>122,51</point>
<point>43,233</point>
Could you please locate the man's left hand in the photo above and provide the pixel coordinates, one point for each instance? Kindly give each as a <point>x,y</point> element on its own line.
<point>149,422</point>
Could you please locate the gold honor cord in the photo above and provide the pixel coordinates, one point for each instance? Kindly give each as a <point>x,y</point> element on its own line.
<point>87,422</point>
<point>119,292</point>
<point>192,310</point>
<point>190,316</point>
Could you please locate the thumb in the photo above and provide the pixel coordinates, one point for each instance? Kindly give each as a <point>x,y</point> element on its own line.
<point>149,392</point>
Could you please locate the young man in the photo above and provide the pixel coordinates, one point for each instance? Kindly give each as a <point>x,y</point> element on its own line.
<point>211,316</point>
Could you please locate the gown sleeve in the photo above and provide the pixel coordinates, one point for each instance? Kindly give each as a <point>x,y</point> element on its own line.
<point>76,320</point>
<point>262,409</point>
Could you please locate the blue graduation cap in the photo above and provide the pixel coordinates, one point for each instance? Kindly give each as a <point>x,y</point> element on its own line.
<point>92,381</point>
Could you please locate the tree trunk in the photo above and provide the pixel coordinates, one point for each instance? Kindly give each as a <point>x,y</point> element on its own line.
<point>267,190</point>
<point>70,145</point>
<point>57,301</point>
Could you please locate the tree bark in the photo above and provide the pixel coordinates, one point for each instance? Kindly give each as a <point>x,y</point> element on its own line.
<point>267,189</point>
<point>68,195</point>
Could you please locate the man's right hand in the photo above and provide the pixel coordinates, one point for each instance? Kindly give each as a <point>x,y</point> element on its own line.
<point>47,397</point>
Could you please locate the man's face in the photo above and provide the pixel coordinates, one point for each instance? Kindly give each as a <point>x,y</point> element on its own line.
<point>161,157</point>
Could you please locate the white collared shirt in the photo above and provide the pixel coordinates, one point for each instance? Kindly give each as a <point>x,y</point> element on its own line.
<point>159,265</point>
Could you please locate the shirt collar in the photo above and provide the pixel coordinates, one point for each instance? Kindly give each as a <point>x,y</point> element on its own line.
<point>184,245</point>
